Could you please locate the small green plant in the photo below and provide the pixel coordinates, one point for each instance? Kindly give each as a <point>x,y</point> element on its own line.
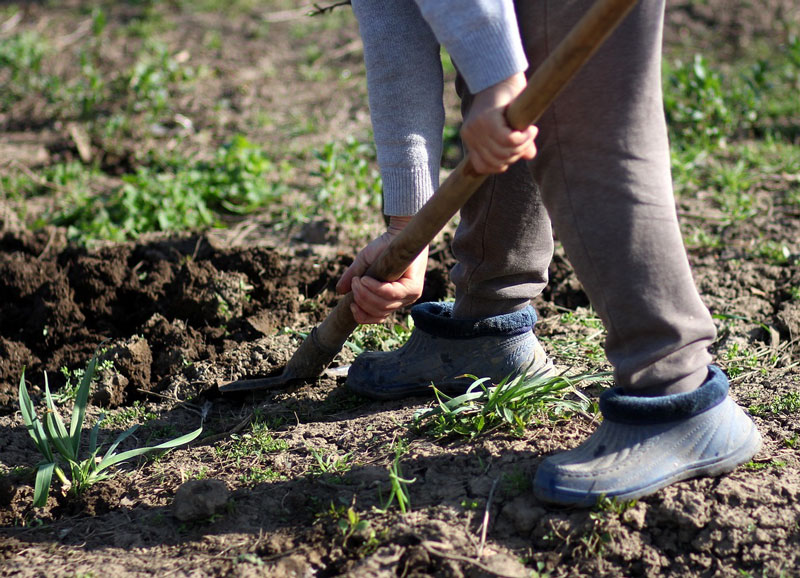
<point>350,185</point>
<point>380,337</point>
<point>512,403</point>
<point>596,534</point>
<point>760,466</point>
<point>540,571</point>
<point>176,196</point>
<point>258,474</point>
<point>399,488</point>
<point>731,183</point>
<point>351,523</point>
<point>699,238</point>
<point>52,434</point>
<point>248,452</point>
<point>69,390</point>
<point>785,404</point>
<point>124,416</point>
<point>89,90</point>
<point>774,252</point>
<point>249,558</point>
<point>21,58</point>
<point>151,77</point>
<point>584,344</point>
<point>694,101</point>
<point>596,537</point>
<point>613,505</point>
<point>739,359</point>
<point>356,532</point>
<point>330,463</point>
<point>252,445</point>
<point>516,482</point>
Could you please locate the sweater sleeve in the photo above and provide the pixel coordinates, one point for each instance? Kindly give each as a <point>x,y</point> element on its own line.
<point>482,37</point>
<point>405,84</point>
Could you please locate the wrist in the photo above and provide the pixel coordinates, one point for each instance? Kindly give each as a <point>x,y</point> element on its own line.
<point>397,224</point>
<point>503,92</point>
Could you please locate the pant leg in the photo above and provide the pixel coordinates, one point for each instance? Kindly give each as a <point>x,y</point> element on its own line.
<point>503,242</point>
<point>604,170</point>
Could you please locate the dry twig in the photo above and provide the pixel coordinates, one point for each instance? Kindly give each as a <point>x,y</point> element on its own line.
<point>318,9</point>
<point>485,524</point>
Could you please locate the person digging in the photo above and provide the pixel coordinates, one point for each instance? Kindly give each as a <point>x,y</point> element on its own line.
<point>599,173</point>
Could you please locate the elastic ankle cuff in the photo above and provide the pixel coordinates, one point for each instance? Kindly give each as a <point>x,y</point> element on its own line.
<point>634,410</point>
<point>437,319</point>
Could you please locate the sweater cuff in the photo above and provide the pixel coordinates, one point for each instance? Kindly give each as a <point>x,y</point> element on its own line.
<point>487,55</point>
<point>406,189</point>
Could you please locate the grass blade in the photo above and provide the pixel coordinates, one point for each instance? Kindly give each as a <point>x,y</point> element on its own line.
<point>124,435</point>
<point>55,428</point>
<point>79,412</point>
<point>57,434</point>
<point>116,458</point>
<point>93,435</point>
<point>44,476</point>
<point>32,422</point>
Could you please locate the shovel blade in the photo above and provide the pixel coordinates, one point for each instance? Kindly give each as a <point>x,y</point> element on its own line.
<point>258,384</point>
<point>284,379</point>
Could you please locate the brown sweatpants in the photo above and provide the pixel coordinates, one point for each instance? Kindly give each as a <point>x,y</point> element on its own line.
<point>602,178</point>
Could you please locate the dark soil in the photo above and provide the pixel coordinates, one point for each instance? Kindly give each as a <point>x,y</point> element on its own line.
<point>179,315</point>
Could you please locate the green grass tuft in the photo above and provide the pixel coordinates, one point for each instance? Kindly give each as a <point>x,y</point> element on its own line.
<point>511,404</point>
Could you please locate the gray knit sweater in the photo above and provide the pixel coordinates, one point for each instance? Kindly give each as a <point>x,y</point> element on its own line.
<point>404,79</point>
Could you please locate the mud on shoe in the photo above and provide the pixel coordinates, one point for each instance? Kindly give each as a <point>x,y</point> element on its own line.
<point>647,443</point>
<point>442,349</point>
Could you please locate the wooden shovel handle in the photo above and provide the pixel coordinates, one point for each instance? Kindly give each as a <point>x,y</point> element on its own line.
<point>543,87</point>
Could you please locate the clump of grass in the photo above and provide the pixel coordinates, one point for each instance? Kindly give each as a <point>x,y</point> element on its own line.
<point>775,253</point>
<point>705,106</point>
<point>177,196</point>
<point>380,337</point>
<point>582,346</point>
<point>249,452</point>
<point>21,57</point>
<point>786,404</point>
<point>135,412</point>
<point>739,359</point>
<point>331,463</point>
<point>69,391</point>
<point>694,101</point>
<point>761,466</point>
<point>512,404</point>
<point>61,446</point>
<point>350,185</point>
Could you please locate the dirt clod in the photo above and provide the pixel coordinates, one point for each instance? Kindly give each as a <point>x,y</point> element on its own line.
<point>200,499</point>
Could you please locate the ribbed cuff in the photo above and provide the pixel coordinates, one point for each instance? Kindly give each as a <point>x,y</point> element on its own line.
<point>488,54</point>
<point>406,189</point>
